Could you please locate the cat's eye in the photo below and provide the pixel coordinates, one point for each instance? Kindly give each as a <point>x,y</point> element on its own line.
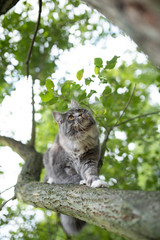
<point>71,117</point>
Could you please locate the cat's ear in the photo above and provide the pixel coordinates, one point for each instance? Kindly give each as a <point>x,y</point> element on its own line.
<point>74,104</point>
<point>58,117</point>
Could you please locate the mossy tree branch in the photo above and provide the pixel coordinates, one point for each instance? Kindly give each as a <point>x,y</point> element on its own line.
<point>133,214</point>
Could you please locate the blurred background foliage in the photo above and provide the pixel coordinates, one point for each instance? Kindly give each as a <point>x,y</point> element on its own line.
<point>132,157</point>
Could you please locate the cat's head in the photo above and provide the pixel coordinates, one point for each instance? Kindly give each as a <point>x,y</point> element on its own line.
<point>75,122</point>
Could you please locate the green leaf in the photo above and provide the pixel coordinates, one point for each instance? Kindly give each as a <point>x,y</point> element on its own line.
<point>46,96</point>
<point>49,85</point>
<point>96,70</point>
<point>82,96</point>
<point>114,35</point>
<point>88,81</point>
<point>112,63</point>
<point>158,78</point>
<point>98,62</point>
<point>91,93</point>
<point>1,200</point>
<point>67,87</point>
<point>107,91</point>
<point>79,74</point>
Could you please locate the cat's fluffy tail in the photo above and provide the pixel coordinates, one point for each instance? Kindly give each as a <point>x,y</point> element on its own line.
<point>71,225</point>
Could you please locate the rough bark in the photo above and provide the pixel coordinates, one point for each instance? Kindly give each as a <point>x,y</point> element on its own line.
<point>133,214</point>
<point>140,19</point>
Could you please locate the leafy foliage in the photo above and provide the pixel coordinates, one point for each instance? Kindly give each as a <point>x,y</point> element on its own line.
<point>60,26</point>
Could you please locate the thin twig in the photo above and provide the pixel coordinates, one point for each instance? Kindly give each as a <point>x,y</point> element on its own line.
<point>5,202</point>
<point>33,133</point>
<point>107,133</point>
<point>121,115</point>
<point>139,116</point>
<point>7,189</point>
<point>34,37</point>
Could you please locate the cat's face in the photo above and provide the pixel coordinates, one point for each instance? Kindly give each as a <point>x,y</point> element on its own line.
<point>75,122</point>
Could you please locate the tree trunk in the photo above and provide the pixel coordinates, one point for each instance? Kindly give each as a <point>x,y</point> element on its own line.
<point>140,19</point>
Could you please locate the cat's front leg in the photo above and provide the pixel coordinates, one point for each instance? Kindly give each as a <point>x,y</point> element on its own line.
<point>90,176</point>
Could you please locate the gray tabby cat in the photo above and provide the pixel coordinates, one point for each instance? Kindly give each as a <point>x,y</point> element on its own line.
<point>74,156</point>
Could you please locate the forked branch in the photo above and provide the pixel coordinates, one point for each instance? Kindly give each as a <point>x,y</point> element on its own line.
<point>24,150</point>
<point>107,133</point>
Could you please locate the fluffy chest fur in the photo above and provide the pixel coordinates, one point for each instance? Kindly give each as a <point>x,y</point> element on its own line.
<point>77,146</point>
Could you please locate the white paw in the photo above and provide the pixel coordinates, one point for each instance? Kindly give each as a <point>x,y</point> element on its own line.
<point>102,177</point>
<point>50,180</point>
<point>99,183</point>
<point>82,182</point>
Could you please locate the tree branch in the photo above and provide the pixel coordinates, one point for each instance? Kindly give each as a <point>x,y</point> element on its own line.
<point>128,213</point>
<point>24,150</point>
<point>5,202</point>
<point>119,124</point>
<point>139,19</point>
<point>33,133</point>
<point>34,37</point>
<point>5,5</point>
<point>139,116</point>
<point>121,115</point>
<point>103,146</point>
<point>7,189</point>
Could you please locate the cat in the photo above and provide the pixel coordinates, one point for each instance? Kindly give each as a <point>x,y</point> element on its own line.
<point>74,156</point>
